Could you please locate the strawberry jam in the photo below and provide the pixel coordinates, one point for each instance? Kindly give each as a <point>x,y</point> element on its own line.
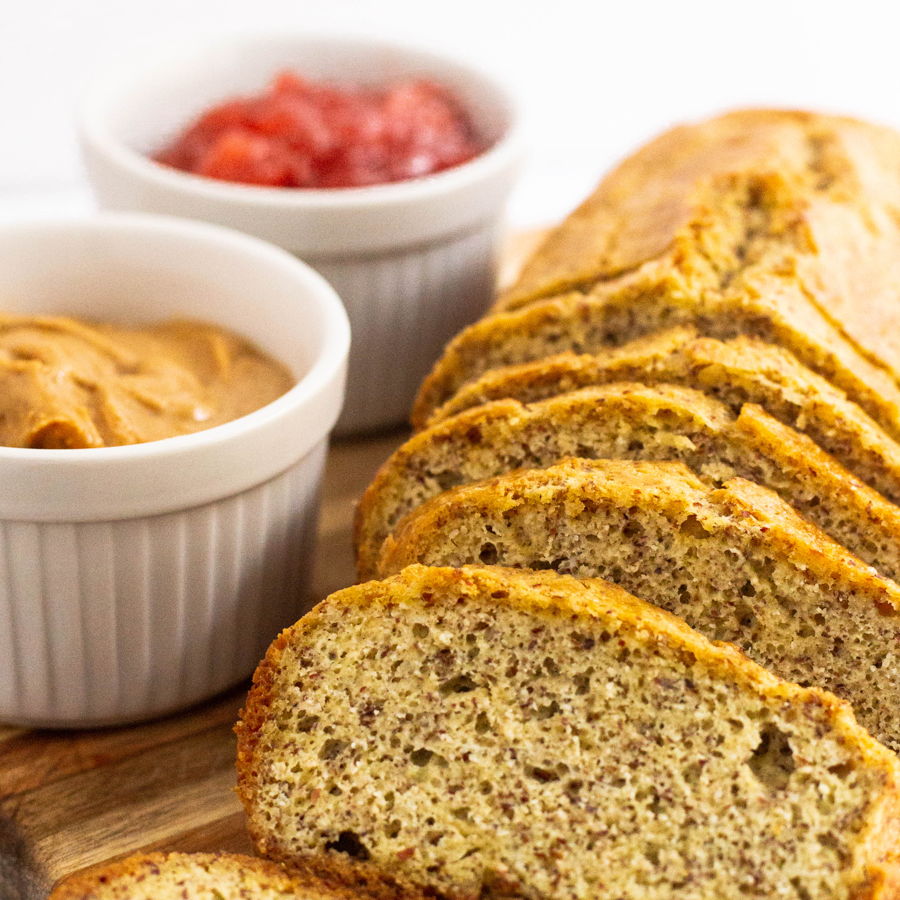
<point>307,134</point>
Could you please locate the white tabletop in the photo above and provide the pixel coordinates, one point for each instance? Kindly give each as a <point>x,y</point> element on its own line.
<point>596,77</point>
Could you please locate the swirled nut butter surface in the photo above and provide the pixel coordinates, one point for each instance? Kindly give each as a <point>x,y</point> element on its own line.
<point>67,383</point>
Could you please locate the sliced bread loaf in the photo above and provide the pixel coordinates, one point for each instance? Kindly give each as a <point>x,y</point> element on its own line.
<point>489,733</point>
<point>738,371</point>
<point>737,563</point>
<point>200,876</point>
<point>631,421</point>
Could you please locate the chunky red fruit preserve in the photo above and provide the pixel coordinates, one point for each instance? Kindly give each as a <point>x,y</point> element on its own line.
<point>307,134</point>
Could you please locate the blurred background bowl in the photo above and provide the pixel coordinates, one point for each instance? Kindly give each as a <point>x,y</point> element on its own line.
<point>413,261</point>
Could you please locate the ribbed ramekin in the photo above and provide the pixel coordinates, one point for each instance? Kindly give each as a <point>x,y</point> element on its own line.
<point>413,261</point>
<point>141,579</point>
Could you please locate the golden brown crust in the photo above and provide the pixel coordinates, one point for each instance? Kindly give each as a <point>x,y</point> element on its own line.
<point>249,724</point>
<point>843,176</point>
<point>640,205</point>
<point>547,594</point>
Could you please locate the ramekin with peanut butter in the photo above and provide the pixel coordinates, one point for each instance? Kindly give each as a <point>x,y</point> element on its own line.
<point>69,383</point>
<point>140,578</point>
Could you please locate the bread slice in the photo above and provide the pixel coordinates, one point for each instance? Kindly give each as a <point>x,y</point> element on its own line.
<point>737,563</point>
<point>200,876</point>
<point>840,186</point>
<point>491,733</point>
<point>663,355</point>
<point>738,371</point>
<point>631,421</point>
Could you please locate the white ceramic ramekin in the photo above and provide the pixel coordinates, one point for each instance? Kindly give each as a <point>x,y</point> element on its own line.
<point>413,262</point>
<point>140,579</point>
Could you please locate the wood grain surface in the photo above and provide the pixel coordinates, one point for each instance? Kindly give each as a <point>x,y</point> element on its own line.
<point>73,800</point>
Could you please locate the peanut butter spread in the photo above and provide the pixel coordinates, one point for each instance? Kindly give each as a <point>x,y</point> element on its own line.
<point>66,383</point>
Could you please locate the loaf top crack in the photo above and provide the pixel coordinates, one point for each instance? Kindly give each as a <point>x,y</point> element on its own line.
<point>526,734</point>
<point>640,208</point>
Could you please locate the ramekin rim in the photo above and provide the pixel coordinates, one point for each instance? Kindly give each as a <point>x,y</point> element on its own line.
<point>91,126</point>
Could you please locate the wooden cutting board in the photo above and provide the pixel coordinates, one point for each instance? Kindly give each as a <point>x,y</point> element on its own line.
<point>72,800</point>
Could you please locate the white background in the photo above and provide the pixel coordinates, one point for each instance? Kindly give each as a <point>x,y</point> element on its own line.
<point>596,77</point>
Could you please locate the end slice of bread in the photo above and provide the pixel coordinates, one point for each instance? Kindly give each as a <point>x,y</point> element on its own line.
<point>737,563</point>
<point>494,733</point>
<point>200,876</point>
<point>632,421</point>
